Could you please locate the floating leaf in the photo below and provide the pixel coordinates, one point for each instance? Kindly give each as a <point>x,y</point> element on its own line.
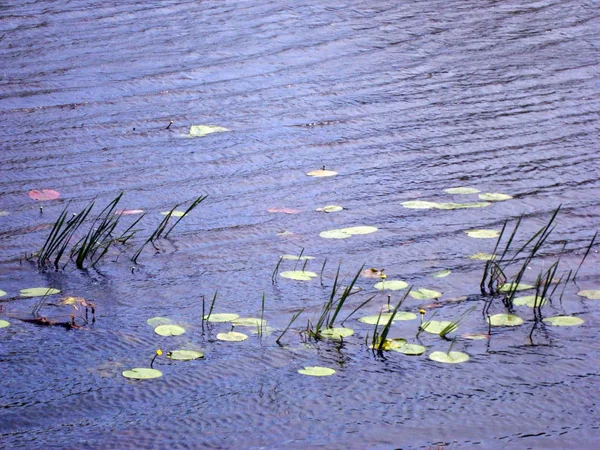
<point>156,321</point>
<point>330,208</point>
<point>4,213</point>
<point>495,197</point>
<point>592,294</point>
<point>2,293</point>
<point>221,317</point>
<point>298,275</point>
<point>510,287</point>
<point>564,321</point>
<point>4,323</point>
<point>184,355</point>
<point>505,320</point>
<point>391,285</point>
<point>248,322</point>
<point>475,336</point>
<point>365,229</point>
<point>337,333</point>
<point>371,273</point>
<point>321,173</point>
<point>404,315</point>
<point>44,194</point>
<point>461,190</point>
<point>169,330</point>
<point>449,358</point>
<point>128,212</point>
<point>411,349</point>
<point>297,258</point>
<point>529,300</point>
<point>390,344</point>
<point>442,273</point>
<point>483,234</point>
<point>462,205</point>
<point>373,319</point>
<point>482,256</point>
<point>142,373</point>
<point>39,292</point>
<point>174,213</point>
<point>424,294</point>
<point>435,326</point>
<point>73,301</point>
<point>232,336</point>
<point>284,210</point>
<point>203,130</point>
<point>419,204</point>
<point>316,371</point>
<point>334,234</point>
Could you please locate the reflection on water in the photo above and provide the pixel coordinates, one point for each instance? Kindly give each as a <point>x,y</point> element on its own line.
<point>403,100</point>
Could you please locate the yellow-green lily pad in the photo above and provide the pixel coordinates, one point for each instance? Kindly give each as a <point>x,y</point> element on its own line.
<point>337,333</point>
<point>424,294</point>
<point>449,358</point>
<point>442,273</point>
<point>363,229</point>
<point>564,321</point>
<point>411,349</point>
<point>462,205</point>
<point>390,344</point>
<point>298,275</point>
<point>435,326</point>
<point>184,355</point>
<point>321,173</point>
<point>297,257</point>
<point>334,234</point>
<point>221,317</point>
<point>156,321</point>
<point>494,197</point>
<point>391,285</point>
<point>475,336</point>
<point>382,318</point>
<point>510,287</point>
<point>529,300</point>
<point>461,190</point>
<point>169,330</point>
<point>232,336</point>
<point>419,204</point>
<point>142,373</point>
<point>316,371</point>
<point>592,294</point>
<point>248,322</point>
<point>330,208</point>
<point>2,293</point>
<point>4,323</point>
<point>483,234</point>
<point>505,320</point>
<point>39,292</point>
<point>175,213</point>
<point>203,130</point>
<point>482,256</point>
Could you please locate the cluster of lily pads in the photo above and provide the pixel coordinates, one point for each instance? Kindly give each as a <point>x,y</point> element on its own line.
<point>486,199</point>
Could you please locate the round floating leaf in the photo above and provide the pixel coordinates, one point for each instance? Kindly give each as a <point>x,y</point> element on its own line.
<point>284,210</point>
<point>337,333</point>
<point>442,273</point>
<point>510,287</point>
<point>494,197</point>
<point>419,204</point>
<point>184,355</point>
<point>505,320</point>
<point>365,229</point>
<point>44,194</point>
<point>529,300</point>
<point>372,320</point>
<point>4,323</point>
<point>449,358</point>
<point>424,294</point>
<point>564,321</point>
<point>221,317</point>
<point>391,285</point>
<point>404,315</point>
<point>169,330</point>
<point>411,349</point>
<point>38,292</point>
<point>4,213</point>
<point>128,212</point>
<point>592,294</point>
<point>298,275</point>
<point>334,234</point>
<point>248,322</point>
<point>174,213</point>
<point>390,344</point>
<point>482,256</point>
<point>203,130</point>
<point>297,258</point>
<point>461,190</point>
<point>156,321</point>
<point>321,173</point>
<point>330,208</point>
<point>316,371</point>
<point>483,234</point>
<point>142,373</point>
<point>435,326</point>
<point>475,336</point>
<point>2,293</point>
<point>232,336</point>
<point>462,205</point>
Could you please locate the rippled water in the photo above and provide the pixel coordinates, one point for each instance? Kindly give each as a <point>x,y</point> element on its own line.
<point>403,100</point>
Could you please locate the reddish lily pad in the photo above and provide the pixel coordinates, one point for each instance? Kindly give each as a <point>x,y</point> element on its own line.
<point>44,194</point>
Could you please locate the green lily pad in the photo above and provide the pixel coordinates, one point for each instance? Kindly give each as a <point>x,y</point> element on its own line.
<point>564,321</point>
<point>442,273</point>
<point>505,320</point>
<point>382,318</point>
<point>142,373</point>
<point>321,173</point>
<point>461,190</point>
<point>435,326</point>
<point>297,258</point>
<point>390,344</point>
<point>529,300</point>
<point>2,293</point>
<point>404,315</point>
<point>419,204</point>
<point>462,205</point>
<point>203,130</point>
<point>424,294</point>
<point>449,358</point>
<point>334,234</point>
<point>316,371</point>
<point>156,321</point>
<point>483,234</point>
<point>39,292</point>
<point>391,285</point>
<point>482,256</point>
<point>411,349</point>
<point>232,336</point>
<point>364,229</point>
<point>495,197</point>
<point>4,323</point>
<point>248,322</point>
<point>221,317</point>
<point>337,333</point>
<point>330,208</point>
<point>510,287</point>
<point>592,294</point>
<point>475,336</point>
<point>174,213</point>
<point>184,355</point>
<point>169,330</point>
<point>298,275</point>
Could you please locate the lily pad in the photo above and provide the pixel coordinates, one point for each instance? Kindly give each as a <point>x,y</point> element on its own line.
<point>435,326</point>
<point>364,229</point>
<point>232,336</point>
<point>495,197</point>
<point>391,285</point>
<point>44,194</point>
<point>334,234</point>
<point>462,205</point>
<point>2,293</point>
<point>461,190</point>
<point>316,371</point>
<point>297,258</point>
<point>39,292</point>
<point>564,321</point>
<point>298,275</point>
<point>156,321</point>
<point>442,273</point>
<point>510,287</point>
<point>475,336</point>
<point>483,234</point>
<point>449,358</point>
<point>248,322</point>
<point>337,333</point>
<point>505,320</point>
<point>221,317</point>
<point>284,210</point>
<point>424,294</point>
<point>330,208</point>
<point>411,349</point>
<point>184,355</point>
<point>4,213</point>
<point>4,323</point>
<point>128,212</point>
<point>142,373</point>
<point>321,173</point>
<point>203,130</point>
<point>390,344</point>
<point>372,320</point>
<point>529,300</point>
<point>404,315</point>
<point>174,213</point>
<point>482,256</point>
<point>592,294</point>
<point>169,330</point>
<point>419,204</point>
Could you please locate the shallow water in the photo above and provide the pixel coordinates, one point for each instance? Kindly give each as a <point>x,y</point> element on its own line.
<point>403,101</point>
